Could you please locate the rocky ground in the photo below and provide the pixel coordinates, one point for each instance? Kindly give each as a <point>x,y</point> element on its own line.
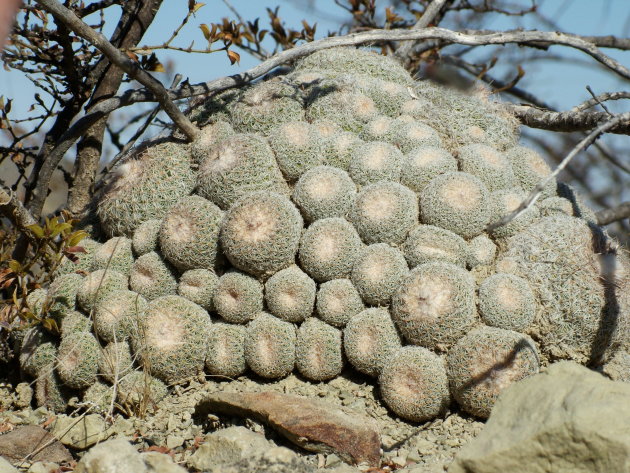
<point>566,418</point>
<point>176,429</point>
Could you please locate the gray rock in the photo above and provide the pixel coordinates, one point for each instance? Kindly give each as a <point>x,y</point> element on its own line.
<point>618,367</point>
<point>566,419</point>
<point>6,467</point>
<point>113,456</point>
<point>174,441</point>
<point>83,433</point>
<point>33,443</point>
<point>24,395</point>
<point>43,467</point>
<point>274,460</point>
<point>160,463</point>
<point>343,468</point>
<point>227,446</point>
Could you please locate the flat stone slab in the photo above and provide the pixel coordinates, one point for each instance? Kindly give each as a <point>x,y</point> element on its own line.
<point>312,424</point>
<point>24,440</point>
<point>81,433</point>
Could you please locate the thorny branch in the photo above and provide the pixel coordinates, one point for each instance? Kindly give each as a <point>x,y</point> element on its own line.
<point>537,191</point>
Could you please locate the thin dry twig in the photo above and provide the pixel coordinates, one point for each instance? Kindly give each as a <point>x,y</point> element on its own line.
<point>74,23</point>
<point>403,53</point>
<point>537,191</point>
<point>607,216</point>
<point>599,99</point>
<point>599,102</point>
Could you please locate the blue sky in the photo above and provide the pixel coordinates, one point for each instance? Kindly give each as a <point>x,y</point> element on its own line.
<point>561,84</point>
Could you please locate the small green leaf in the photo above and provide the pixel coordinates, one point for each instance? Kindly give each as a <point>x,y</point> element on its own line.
<point>60,228</point>
<point>15,266</point>
<point>75,237</point>
<point>36,229</point>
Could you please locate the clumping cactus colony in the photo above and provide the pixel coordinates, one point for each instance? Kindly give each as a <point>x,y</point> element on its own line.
<point>334,217</point>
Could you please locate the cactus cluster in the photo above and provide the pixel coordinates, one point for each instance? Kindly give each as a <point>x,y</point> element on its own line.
<point>335,217</point>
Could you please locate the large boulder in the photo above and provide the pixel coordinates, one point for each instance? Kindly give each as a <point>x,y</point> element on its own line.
<point>566,419</point>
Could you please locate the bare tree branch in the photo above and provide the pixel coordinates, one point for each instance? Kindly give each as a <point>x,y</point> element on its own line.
<point>121,60</point>
<point>565,121</point>
<point>607,216</point>
<point>136,18</point>
<point>496,83</point>
<point>609,41</point>
<point>536,192</point>
<point>403,53</point>
<point>356,39</point>
<point>600,98</point>
<point>12,208</point>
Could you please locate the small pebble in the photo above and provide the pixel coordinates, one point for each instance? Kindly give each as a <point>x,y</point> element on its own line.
<point>332,460</point>
<point>174,441</point>
<point>414,456</point>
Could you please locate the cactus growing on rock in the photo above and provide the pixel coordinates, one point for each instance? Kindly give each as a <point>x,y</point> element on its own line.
<point>98,285</point>
<point>226,350</point>
<point>458,202</point>
<point>236,166</point>
<point>116,315</point>
<point>331,182</point>
<point>290,294</point>
<point>319,354</point>
<point>337,301</point>
<point>114,254</point>
<point>435,305</point>
<point>199,286</point>
<point>238,297</point>
<point>78,360</point>
<point>384,212</point>
<point>152,277</point>
<point>145,238</point>
<point>270,346</point>
<point>328,248</point>
<point>377,273</point>
<point>324,192</point>
<point>370,339</point>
